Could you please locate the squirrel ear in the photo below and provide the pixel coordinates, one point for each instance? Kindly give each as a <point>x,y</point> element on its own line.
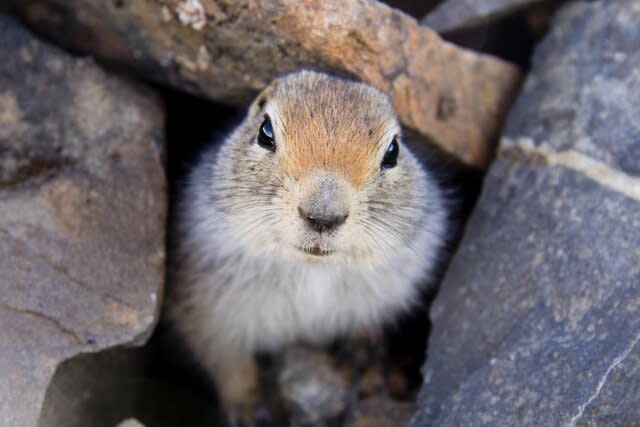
<point>258,105</point>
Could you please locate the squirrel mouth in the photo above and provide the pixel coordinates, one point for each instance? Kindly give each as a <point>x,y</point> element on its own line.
<point>316,251</point>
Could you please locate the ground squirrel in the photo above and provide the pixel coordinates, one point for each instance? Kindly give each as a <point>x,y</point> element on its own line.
<point>311,220</point>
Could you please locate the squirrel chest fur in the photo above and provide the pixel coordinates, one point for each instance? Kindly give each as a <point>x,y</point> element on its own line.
<point>311,220</point>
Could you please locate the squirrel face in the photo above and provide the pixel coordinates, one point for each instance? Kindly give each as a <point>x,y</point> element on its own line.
<point>318,171</point>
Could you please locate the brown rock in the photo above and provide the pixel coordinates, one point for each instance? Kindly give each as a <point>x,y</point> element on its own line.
<point>229,50</point>
<point>82,197</point>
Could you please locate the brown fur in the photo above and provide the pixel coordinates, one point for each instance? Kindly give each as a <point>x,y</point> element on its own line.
<point>344,138</point>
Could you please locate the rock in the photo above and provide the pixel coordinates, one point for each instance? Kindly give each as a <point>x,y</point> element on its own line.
<point>537,323</point>
<point>456,15</point>
<point>96,389</point>
<point>382,412</point>
<point>229,50</point>
<point>349,384</point>
<point>82,221</point>
<point>312,390</point>
<point>130,422</point>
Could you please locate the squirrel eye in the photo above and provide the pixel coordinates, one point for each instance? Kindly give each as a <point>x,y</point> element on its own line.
<point>265,135</point>
<point>390,158</point>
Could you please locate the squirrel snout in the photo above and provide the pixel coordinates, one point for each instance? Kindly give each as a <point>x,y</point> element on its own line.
<point>326,205</point>
<point>322,222</point>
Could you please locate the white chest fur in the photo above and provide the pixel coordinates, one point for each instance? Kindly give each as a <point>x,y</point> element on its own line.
<point>261,302</point>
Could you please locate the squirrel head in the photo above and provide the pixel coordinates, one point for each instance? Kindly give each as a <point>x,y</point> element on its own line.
<point>318,171</point>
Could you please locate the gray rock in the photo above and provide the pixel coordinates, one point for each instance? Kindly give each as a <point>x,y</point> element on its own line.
<point>96,389</point>
<point>130,422</point>
<point>455,15</point>
<point>537,322</point>
<point>82,212</point>
<point>312,390</point>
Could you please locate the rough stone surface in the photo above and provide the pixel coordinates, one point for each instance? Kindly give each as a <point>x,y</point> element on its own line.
<point>311,388</point>
<point>456,15</point>
<point>82,212</point>
<point>537,320</point>
<point>228,50</point>
<point>585,86</point>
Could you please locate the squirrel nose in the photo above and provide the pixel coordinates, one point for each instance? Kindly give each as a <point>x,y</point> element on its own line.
<point>322,223</point>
